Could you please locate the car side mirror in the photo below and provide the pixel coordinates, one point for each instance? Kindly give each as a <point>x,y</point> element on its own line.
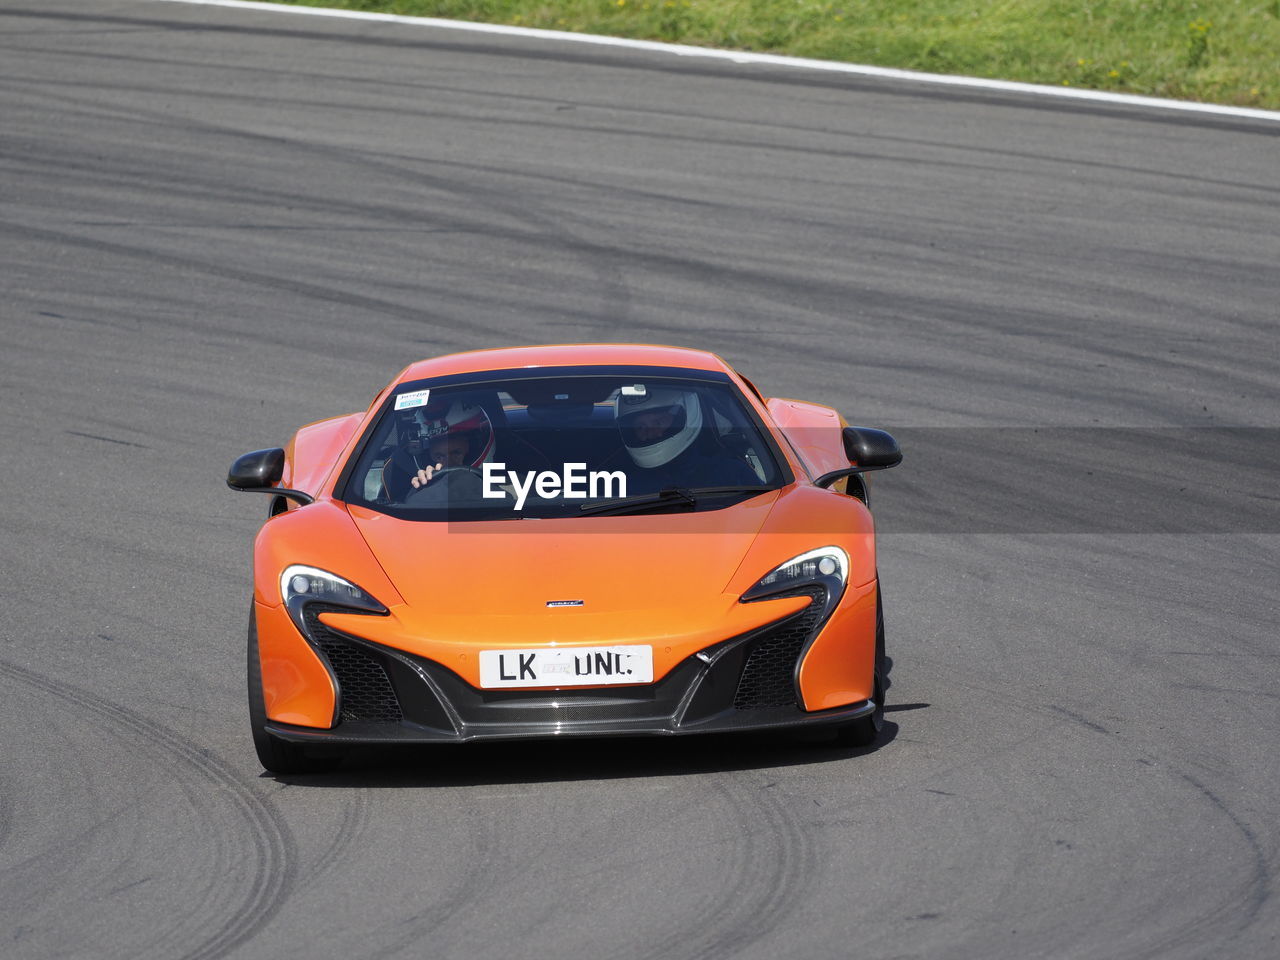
<point>871,449</point>
<point>257,470</point>
<point>260,471</point>
<point>867,449</point>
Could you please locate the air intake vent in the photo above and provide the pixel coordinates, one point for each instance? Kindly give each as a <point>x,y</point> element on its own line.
<point>367,695</point>
<point>768,679</point>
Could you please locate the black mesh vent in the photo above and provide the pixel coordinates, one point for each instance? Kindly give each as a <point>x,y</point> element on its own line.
<point>366,690</point>
<point>768,679</point>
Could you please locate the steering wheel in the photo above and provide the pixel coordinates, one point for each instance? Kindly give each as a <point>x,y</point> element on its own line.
<point>450,483</point>
<point>437,474</point>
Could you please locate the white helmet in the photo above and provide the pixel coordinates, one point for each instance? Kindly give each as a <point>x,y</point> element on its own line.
<point>657,423</point>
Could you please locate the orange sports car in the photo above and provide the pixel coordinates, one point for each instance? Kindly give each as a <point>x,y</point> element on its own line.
<point>564,541</point>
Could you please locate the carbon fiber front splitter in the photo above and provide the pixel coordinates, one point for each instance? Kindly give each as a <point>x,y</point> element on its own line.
<point>547,729</point>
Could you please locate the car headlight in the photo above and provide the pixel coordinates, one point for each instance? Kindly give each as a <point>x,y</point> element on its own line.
<point>301,585</point>
<point>826,567</point>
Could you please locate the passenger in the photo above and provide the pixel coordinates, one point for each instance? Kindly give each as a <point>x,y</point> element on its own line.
<point>662,432</point>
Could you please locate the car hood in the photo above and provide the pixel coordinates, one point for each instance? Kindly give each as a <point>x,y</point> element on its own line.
<point>648,578</point>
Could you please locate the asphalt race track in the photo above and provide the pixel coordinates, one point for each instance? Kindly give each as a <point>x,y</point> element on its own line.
<point>217,225</point>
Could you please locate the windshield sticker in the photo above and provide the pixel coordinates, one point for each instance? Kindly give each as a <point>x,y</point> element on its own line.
<point>407,401</point>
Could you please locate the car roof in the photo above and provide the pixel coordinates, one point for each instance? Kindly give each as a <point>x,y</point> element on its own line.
<point>564,355</point>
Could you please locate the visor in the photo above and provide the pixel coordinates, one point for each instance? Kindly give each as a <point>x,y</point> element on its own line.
<point>638,429</point>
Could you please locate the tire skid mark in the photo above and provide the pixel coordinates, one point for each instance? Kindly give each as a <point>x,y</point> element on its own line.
<point>773,868</point>
<point>709,917</point>
<point>1236,904</point>
<point>73,850</point>
<point>1249,897</point>
<point>1245,900</point>
<point>28,883</point>
<point>355,817</point>
<point>6,813</point>
<point>274,862</point>
<point>1260,880</point>
<point>599,259</point>
<point>72,863</point>
<point>482,876</point>
<point>604,260</point>
<point>1079,719</point>
<point>793,870</point>
<point>1259,885</point>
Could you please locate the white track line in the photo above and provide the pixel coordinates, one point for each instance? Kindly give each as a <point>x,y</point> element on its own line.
<point>740,56</point>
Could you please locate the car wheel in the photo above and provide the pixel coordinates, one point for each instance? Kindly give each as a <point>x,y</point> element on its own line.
<point>276,755</point>
<point>864,731</point>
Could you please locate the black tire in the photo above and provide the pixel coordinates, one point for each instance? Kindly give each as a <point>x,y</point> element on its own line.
<point>865,731</point>
<point>277,756</point>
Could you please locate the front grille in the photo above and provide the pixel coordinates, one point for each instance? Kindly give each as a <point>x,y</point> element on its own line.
<point>366,690</point>
<point>768,679</point>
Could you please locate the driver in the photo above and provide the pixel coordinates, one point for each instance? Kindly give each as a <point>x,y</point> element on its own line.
<point>442,452</point>
<point>458,436</point>
<point>450,434</point>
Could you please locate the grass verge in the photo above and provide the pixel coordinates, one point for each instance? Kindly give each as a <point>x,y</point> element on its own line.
<point>1218,51</point>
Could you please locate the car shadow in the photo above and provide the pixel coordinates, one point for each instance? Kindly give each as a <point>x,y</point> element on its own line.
<point>558,761</point>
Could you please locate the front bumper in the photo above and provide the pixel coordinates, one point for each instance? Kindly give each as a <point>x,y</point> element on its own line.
<point>744,683</point>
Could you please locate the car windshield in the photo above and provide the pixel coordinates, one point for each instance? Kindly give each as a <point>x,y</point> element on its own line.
<point>563,444</point>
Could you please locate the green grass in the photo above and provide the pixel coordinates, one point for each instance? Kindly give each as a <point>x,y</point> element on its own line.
<point>1221,51</point>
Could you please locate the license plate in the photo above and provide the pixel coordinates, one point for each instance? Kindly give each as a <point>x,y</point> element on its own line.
<point>566,666</point>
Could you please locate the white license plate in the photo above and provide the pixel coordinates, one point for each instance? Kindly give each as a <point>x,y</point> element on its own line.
<point>566,666</point>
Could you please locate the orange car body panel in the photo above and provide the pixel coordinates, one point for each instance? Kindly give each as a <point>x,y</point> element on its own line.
<point>839,666</point>
<point>672,581</point>
<point>296,686</point>
<point>814,433</point>
<point>569,355</point>
<point>805,517</point>
<point>321,536</point>
<point>470,589</point>
<point>315,450</point>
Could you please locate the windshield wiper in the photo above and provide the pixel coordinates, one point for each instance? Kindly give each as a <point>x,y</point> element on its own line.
<point>665,497</point>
